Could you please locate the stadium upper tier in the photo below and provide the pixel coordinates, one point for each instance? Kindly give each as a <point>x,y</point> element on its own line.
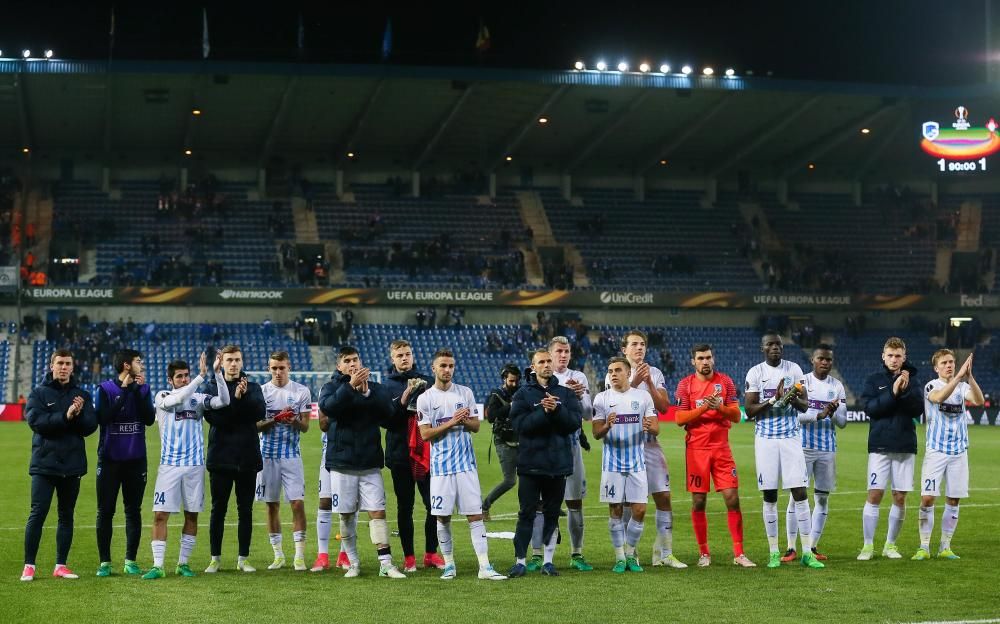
<point>667,242</point>
<point>232,233</point>
<point>454,240</point>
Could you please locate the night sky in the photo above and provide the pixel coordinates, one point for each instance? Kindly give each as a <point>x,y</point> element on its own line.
<point>920,42</point>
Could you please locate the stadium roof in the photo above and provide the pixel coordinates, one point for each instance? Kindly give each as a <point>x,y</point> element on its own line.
<point>432,118</point>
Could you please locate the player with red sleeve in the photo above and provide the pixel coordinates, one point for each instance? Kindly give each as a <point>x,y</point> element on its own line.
<point>707,407</point>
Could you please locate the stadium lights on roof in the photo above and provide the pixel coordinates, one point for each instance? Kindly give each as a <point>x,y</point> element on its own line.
<point>509,158</point>
<point>579,66</point>
<point>664,69</point>
<point>26,53</point>
<point>644,67</point>
<point>663,162</point>
<point>350,154</point>
<point>623,66</point>
<point>26,150</point>
<point>730,72</point>
<point>543,120</point>
<point>187,152</point>
<point>195,111</point>
<point>601,65</point>
<point>48,54</point>
<point>865,131</point>
<point>686,70</point>
<point>708,71</point>
<point>812,165</point>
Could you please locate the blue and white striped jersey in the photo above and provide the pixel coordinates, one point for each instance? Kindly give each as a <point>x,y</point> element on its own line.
<point>820,435</point>
<point>452,453</point>
<point>624,444</point>
<point>179,417</point>
<point>764,379</point>
<point>947,428</point>
<point>282,440</point>
<point>659,382</point>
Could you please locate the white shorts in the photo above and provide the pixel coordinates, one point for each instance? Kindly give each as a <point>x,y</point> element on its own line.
<point>953,469</point>
<point>281,474</point>
<point>576,483</point>
<point>349,488</point>
<point>896,468</point>
<point>780,458</point>
<point>177,484</point>
<point>822,467</point>
<point>324,482</point>
<point>657,473</point>
<point>624,487</point>
<point>460,491</point>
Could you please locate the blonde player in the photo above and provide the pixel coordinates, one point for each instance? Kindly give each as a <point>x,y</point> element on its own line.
<point>947,456</point>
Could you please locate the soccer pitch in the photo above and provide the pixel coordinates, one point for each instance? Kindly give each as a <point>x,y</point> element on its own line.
<point>851,591</point>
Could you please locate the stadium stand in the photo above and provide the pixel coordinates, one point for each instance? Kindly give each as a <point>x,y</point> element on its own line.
<point>668,242</point>
<point>209,237</point>
<point>445,240</point>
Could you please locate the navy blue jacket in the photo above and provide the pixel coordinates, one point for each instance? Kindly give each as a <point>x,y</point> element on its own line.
<point>891,428</point>
<point>397,443</point>
<point>233,441</point>
<point>57,446</point>
<point>545,441</point>
<point>354,439</point>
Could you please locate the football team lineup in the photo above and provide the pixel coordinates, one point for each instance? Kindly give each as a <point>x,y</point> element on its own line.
<point>540,435</point>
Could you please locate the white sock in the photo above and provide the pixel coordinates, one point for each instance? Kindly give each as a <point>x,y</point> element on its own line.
<point>821,508</point>
<point>478,531</point>
<point>349,538</point>
<point>240,560</point>
<point>574,521</point>
<point>617,530</point>
<point>803,519</point>
<point>771,525</point>
<point>896,515</point>
<point>791,525</point>
<point>187,546</point>
<point>300,543</point>
<point>665,531</point>
<point>536,533</point>
<point>633,533</point>
<point>550,547</point>
<point>323,522</point>
<point>159,550</point>
<point>216,557</point>
<point>626,514</point>
<point>869,522</point>
<point>925,526</point>
<point>949,522</point>
<point>444,541</point>
<point>276,544</point>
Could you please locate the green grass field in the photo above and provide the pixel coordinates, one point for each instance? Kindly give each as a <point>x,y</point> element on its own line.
<point>849,590</point>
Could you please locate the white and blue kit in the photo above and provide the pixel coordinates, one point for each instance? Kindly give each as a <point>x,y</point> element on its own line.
<point>454,474</point>
<point>819,437</point>
<point>657,471</point>
<point>623,459</point>
<point>576,483</point>
<point>279,445</point>
<point>180,479</point>
<point>777,440</point>
<point>947,440</point>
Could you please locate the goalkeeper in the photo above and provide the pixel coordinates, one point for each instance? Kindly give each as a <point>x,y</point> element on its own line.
<point>288,410</point>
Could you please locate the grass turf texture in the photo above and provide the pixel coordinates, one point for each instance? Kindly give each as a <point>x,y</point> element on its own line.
<point>852,591</point>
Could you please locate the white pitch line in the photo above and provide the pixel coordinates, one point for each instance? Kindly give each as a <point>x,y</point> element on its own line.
<point>990,621</point>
